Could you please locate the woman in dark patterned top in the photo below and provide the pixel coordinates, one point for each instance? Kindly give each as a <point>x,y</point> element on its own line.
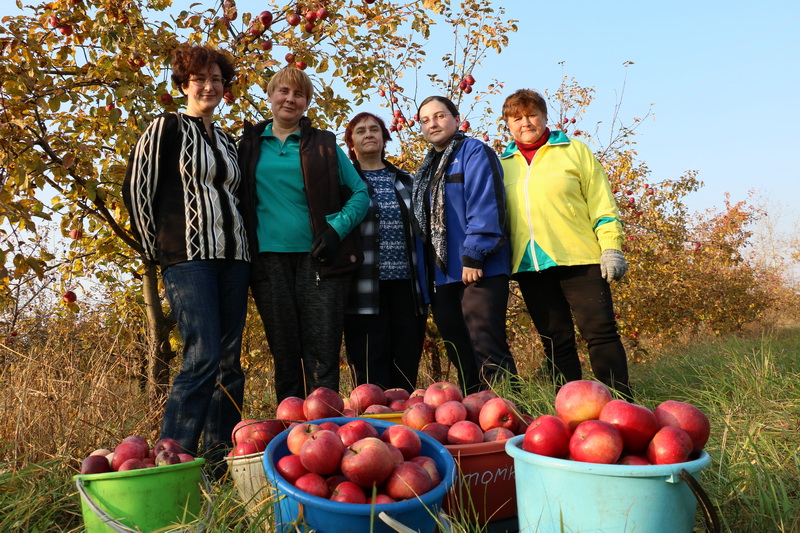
<point>183,191</point>
<point>386,312</point>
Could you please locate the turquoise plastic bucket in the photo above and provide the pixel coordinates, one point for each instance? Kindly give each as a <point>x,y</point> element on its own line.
<point>296,508</point>
<point>557,495</point>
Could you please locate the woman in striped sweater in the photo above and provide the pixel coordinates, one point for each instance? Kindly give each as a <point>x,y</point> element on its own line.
<point>183,191</point>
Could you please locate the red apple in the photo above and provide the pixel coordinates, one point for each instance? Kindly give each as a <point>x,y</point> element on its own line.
<point>167,457</point>
<point>464,432</point>
<point>469,79</point>
<point>53,20</point>
<point>266,45</point>
<point>497,435</point>
<point>75,234</point>
<point>95,464</point>
<point>633,460</point>
<point>581,400</point>
<point>298,435</point>
<point>365,395</point>
<point>437,431</point>
<point>406,439</point>
<point>430,467</point>
<point>293,19</point>
<point>418,415</point>
<point>333,481</point>
<point>687,417</point>
<point>450,412</point>
<point>414,400</point>
<point>381,498</point>
<point>396,394</point>
<point>241,431</point>
<point>128,450</point>
<point>247,447</point>
<point>442,391</point>
<point>186,457</point>
<point>548,435</point>
<point>636,424</point>
<point>166,444</point>
<point>418,392</point>
<point>302,65</point>
<point>290,408</point>
<point>408,480</point>
<point>313,484</point>
<point>290,467</point>
<point>266,430</point>
<point>367,462</point>
<point>131,464</point>
<point>65,29</point>
<point>265,17</point>
<point>322,13</point>
<point>165,99</point>
<point>356,430</point>
<point>330,426</point>
<point>474,403</point>
<point>594,441</point>
<point>348,492</point>
<point>322,452</point>
<point>378,410</point>
<point>670,445</point>
<point>101,451</point>
<point>323,403</point>
<point>397,405</point>
<point>498,412</point>
<point>69,297</point>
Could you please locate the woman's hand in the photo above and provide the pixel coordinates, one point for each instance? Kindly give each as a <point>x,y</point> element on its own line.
<point>471,275</point>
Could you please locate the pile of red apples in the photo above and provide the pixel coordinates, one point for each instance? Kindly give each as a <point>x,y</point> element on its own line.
<point>440,411</point>
<point>353,463</point>
<point>134,453</point>
<point>590,426</point>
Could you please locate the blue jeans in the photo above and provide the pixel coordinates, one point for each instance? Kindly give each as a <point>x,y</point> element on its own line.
<point>209,302</point>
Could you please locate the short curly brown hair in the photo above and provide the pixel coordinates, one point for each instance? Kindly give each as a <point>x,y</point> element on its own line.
<point>524,101</point>
<point>192,59</point>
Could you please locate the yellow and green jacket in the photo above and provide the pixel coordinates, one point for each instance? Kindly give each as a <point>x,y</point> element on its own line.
<point>560,210</point>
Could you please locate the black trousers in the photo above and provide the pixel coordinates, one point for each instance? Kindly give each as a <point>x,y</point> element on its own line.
<point>385,349</point>
<point>472,321</point>
<point>553,297</point>
<point>303,319</point>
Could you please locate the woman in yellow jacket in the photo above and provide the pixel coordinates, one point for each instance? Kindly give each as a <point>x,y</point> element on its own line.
<point>566,241</point>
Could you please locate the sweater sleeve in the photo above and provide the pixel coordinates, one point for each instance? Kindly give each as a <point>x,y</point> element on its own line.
<point>145,167</point>
<point>355,208</point>
<point>484,195</point>
<point>603,210</point>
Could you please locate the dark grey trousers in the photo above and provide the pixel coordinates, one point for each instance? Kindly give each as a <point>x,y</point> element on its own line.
<point>303,319</point>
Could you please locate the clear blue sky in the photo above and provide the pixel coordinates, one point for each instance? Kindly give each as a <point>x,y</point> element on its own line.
<point>722,77</point>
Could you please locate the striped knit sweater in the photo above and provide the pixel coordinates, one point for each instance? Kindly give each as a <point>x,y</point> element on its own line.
<point>183,193</point>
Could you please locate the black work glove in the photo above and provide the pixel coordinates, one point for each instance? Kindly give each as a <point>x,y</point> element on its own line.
<point>325,246</point>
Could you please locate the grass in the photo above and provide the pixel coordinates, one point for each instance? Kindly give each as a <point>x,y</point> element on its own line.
<point>62,400</point>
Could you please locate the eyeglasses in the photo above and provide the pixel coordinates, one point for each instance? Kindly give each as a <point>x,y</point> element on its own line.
<point>438,117</point>
<point>201,81</point>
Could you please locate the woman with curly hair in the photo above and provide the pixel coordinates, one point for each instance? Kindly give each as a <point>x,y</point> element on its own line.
<point>184,192</point>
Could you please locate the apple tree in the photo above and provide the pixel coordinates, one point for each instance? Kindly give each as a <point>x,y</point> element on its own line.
<point>81,79</point>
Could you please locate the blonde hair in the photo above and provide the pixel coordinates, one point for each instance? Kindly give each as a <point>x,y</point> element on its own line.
<point>293,77</point>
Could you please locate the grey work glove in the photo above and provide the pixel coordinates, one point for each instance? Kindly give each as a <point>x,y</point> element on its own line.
<point>612,265</point>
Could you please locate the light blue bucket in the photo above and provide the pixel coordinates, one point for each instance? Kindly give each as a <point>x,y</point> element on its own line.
<point>296,510</point>
<point>561,496</point>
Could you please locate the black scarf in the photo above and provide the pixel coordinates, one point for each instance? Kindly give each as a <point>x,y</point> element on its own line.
<point>433,225</point>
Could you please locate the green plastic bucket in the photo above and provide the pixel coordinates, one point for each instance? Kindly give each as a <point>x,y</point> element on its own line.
<point>557,495</point>
<point>164,498</point>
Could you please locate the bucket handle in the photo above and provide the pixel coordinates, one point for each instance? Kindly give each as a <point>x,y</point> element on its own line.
<point>118,526</point>
<point>400,528</point>
<point>709,511</point>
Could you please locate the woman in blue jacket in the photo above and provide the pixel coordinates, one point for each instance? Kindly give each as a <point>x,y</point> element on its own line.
<point>459,208</point>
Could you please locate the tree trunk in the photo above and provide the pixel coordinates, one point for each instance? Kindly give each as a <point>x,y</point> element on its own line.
<point>159,351</point>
